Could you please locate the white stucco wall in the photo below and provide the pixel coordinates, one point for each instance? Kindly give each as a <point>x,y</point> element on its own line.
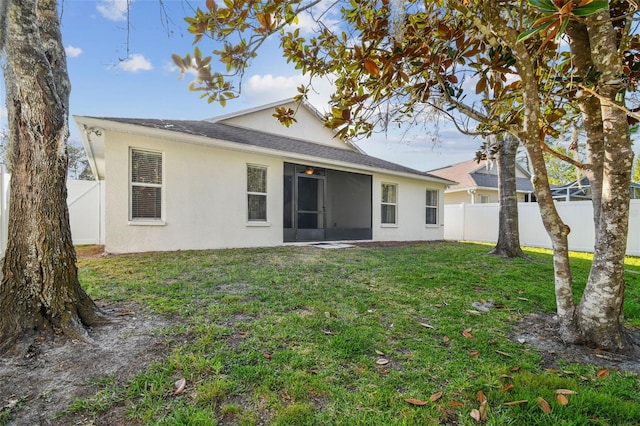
<point>204,198</point>
<point>307,128</point>
<point>411,200</point>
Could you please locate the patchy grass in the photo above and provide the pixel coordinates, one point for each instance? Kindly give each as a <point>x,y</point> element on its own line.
<point>304,336</point>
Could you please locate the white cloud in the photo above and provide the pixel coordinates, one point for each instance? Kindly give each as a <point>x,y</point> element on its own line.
<point>114,10</point>
<point>135,63</point>
<point>263,89</point>
<point>72,51</point>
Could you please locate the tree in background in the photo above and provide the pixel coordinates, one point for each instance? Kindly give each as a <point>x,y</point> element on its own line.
<point>39,291</point>
<point>412,54</point>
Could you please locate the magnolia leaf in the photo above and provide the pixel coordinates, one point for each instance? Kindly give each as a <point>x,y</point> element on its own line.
<point>425,325</point>
<point>603,372</point>
<point>481,397</point>
<point>267,355</point>
<point>467,333</point>
<point>562,400</point>
<point>474,354</point>
<point>484,408</point>
<point>382,361</point>
<point>379,352</point>
<point>179,386</point>
<point>544,405</point>
<point>372,68</point>
<point>475,415</point>
<point>591,7</point>
<point>565,392</point>
<point>507,387</point>
<point>436,396</point>
<point>504,354</point>
<point>414,401</point>
<point>456,404</point>
<point>522,401</point>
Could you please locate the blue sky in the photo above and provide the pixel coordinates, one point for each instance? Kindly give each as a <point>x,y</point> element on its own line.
<point>115,73</point>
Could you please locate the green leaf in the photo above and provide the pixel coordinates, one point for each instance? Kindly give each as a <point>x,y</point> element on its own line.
<point>544,5</point>
<point>591,8</point>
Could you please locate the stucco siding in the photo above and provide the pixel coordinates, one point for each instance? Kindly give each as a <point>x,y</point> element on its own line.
<point>411,211</point>
<point>307,128</point>
<point>204,199</point>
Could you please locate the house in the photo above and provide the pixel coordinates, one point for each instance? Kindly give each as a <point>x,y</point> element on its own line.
<point>580,190</point>
<point>478,183</point>
<point>244,180</point>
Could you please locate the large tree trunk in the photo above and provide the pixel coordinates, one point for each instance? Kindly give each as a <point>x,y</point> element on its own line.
<point>600,312</point>
<point>39,290</point>
<point>508,244</point>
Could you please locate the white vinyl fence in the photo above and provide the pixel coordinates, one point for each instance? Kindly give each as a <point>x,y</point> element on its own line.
<point>479,222</point>
<point>86,206</point>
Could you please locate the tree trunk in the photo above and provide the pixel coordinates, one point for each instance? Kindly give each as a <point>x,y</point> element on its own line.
<point>508,244</point>
<point>39,291</point>
<point>600,312</point>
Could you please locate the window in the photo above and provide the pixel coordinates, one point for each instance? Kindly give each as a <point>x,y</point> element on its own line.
<point>389,203</point>
<point>146,185</point>
<point>484,199</point>
<point>432,207</point>
<point>256,193</point>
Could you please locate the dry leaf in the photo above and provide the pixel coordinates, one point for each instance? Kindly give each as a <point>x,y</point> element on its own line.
<point>544,405</point>
<point>456,404</point>
<point>472,312</point>
<point>524,299</point>
<point>179,386</point>
<point>481,397</point>
<point>382,361</point>
<point>467,333</point>
<point>267,355</point>
<point>562,400</point>
<point>436,396</point>
<point>504,354</point>
<point>474,354</point>
<point>445,338</point>
<point>438,305</point>
<point>475,415</point>
<point>484,408</point>
<point>414,401</point>
<point>424,324</point>
<point>565,392</point>
<point>603,372</point>
<point>379,353</point>
<point>507,387</point>
<point>483,278</point>
<point>522,401</point>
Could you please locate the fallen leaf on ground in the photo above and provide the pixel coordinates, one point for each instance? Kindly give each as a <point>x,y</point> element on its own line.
<point>481,397</point>
<point>522,401</point>
<point>474,354</point>
<point>544,405</point>
<point>456,404</point>
<point>267,355</point>
<point>475,415</point>
<point>425,325</point>
<point>507,387</point>
<point>565,392</point>
<point>603,372</point>
<point>484,408</point>
<point>382,361</point>
<point>179,386</point>
<point>436,396</point>
<point>562,400</point>
<point>414,401</point>
<point>467,333</point>
<point>504,354</point>
<point>379,353</point>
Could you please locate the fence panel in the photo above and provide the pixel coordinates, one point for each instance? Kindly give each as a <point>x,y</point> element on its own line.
<point>479,222</point>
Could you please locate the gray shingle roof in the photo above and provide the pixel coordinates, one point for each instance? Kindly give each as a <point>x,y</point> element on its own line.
<point>266,140</point>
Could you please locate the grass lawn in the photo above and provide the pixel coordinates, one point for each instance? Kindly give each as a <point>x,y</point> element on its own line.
<point>359,336</point>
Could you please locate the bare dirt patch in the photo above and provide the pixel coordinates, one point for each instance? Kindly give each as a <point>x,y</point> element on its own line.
<point>541,331</point>
<point>39,384</point>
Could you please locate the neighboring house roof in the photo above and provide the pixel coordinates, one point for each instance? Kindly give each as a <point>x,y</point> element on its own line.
<point>207,132</point>
<point>580,190</point>
<point>473,175</point>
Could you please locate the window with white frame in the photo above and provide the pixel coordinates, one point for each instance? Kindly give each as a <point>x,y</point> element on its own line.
<point>484,199</point>
<point>145,185</point>
<point>256,193</point>
<point>431,207</point>
<point>389,203</point>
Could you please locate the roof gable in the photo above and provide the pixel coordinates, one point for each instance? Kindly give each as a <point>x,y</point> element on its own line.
<point>309,125</point>
<point>471,175</point>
